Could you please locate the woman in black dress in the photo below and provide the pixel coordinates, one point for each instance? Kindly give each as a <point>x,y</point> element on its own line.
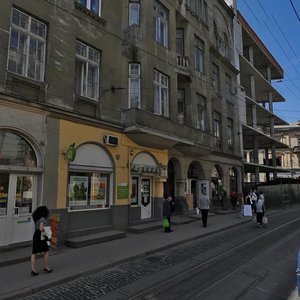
<point>40,241</point>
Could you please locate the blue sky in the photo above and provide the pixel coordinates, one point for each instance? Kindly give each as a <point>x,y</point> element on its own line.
<point>278,26</point>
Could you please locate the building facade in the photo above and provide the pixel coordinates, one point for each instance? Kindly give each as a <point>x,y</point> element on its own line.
<point>257,97</point>
<point>109,106</point>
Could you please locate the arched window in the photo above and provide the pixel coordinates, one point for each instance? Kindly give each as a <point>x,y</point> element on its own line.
<point>90,178</point>
<point>16,151</point>
<point>225,45</point>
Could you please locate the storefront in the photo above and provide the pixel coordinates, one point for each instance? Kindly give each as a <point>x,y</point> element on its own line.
<point>20,172</point>
<point>143,169</point>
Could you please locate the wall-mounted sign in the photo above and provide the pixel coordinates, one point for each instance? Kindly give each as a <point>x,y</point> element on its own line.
<point>71,152</point>
<point>122,190</point>
<point>140,169</point>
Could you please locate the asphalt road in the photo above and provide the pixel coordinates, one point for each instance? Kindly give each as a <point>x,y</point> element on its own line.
<point>241,263</point>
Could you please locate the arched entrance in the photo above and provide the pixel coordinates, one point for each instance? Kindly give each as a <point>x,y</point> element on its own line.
<point>143,168</point>
<point>18,187</point>
<point>218,192</point>
<point>170,185</point>
<point>195,175</point>
<point>233,181</point>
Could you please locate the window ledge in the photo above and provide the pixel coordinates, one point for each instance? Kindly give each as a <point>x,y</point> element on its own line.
<point>10,76</point>
<point>86,99</point>
<point>90,13</point>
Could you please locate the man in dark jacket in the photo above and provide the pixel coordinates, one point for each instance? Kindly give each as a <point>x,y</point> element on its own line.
<point>167,212</point>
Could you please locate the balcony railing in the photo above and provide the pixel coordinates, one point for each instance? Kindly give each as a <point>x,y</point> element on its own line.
<point>160,125</point>
<point>296,149</point>
<point>183,61</point>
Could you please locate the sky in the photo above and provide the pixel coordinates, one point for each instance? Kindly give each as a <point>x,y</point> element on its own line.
<point>277,23</point>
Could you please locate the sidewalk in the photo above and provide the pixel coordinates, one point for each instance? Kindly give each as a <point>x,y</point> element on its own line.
<point>71,263</point>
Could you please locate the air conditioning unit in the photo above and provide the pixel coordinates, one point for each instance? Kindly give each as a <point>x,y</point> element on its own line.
<point>111,140</point>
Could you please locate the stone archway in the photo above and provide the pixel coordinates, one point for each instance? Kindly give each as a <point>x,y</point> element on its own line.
<point>218,193</point>
<point>195,174</point>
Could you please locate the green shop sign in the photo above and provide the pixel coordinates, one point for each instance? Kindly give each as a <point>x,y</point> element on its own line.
<point>71,152</point>
<point>122,190</point>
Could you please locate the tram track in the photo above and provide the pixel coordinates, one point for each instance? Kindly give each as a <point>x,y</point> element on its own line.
<point>175,280</point>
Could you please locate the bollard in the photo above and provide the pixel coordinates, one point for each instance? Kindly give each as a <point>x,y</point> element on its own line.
<point>298,274</point>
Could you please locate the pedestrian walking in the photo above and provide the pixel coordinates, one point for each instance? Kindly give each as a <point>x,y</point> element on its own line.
<point>41,237</point>
<point>167,212</point>
<point>260,210</point>
<point>204,205</point>
<point>262,197</point>
<point>233,198</point>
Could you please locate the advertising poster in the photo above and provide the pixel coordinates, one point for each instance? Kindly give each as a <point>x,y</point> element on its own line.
<point>98,190</point>
<point>78,190</point>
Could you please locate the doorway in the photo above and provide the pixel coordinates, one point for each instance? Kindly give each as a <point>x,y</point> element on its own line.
<point>17,202</point>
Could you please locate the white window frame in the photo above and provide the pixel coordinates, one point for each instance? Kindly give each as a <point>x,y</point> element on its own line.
<point>230,132</point>
<point>181,102</point>
<point>228,87</point>
<point>199,55</point>
<point>161,94</point>
<point>180,41</point>
<point>134,77</point>
<point>217,124</point>
<point>201,113</point>
<point>216,76</point>
<point>160,24</point>
<point>88,5</point>
<point>24,28</point>
<point>132,5</point>
<point>86,64</point>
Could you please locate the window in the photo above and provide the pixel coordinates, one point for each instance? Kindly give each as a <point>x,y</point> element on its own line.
<point>230,132</point>
<point>180,105</point>
<point>298,141</point>
<point>134,13</point>
<point>216,77</point>
<point>160,24</point>
<point>27,48</point>
<point>217,124</point>
<point>180,41</point>
<point>134,85</point>
<point>90,178</point>
<point>161,94</point>
<point>195,6</point>
<point>16,151</point>
<point>228,84</point>
<point>201,113</point>
<point>88,190</point>
<point>87,71</point>
<point>199,55</point>
<point>134,191</point>
<point>224,45</point>
<point>92,5</point>
<point>205,12</point>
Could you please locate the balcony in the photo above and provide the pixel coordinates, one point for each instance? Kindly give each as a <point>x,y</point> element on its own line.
<point>182,61</point>
<point>150,130</point>
<point>296,149</point>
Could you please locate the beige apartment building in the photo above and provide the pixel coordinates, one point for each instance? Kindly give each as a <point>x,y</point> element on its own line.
<point>289,157</point>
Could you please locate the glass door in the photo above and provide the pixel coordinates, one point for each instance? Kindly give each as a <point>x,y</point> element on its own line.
<point>22,202</point>
<point>146,203</point>
<point>4,187</point>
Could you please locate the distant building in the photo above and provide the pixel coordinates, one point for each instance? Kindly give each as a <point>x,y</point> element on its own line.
<point>289,158</point>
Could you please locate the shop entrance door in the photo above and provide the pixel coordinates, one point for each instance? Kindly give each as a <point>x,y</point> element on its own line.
<point>146,203</point>
<point>21,201</point>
